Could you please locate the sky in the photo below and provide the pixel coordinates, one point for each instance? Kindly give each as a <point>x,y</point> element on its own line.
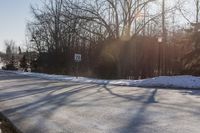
<point>14,14</point>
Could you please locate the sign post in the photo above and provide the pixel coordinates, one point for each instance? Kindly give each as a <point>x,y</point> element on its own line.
<point>160,40</point>
<point>77,59</point>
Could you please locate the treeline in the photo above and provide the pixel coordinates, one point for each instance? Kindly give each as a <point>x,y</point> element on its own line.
<point>15,58</point>
<point>116,38</point>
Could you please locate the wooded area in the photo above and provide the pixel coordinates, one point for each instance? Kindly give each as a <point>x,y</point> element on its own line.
<point>116,38</point>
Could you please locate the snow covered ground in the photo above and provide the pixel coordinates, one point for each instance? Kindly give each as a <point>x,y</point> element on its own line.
<point>186,81</point>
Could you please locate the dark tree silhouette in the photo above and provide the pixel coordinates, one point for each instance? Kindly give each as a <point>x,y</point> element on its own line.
<point>23,63</point>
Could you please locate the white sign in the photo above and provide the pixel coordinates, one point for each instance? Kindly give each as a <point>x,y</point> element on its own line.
<point>77,57</point>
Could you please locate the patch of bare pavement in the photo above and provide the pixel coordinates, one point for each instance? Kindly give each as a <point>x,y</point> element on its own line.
<point>42,106</point>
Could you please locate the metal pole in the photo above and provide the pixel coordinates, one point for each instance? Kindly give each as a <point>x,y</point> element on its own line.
<point>164,38</point>
<point>163,17</point>
<point>158,59</point>
<point>197,11</point>
<point>144,32</point>
<point>77,70</point>
<point>160,39</point>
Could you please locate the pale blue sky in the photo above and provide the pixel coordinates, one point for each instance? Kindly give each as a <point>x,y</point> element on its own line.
<point>14,15</point>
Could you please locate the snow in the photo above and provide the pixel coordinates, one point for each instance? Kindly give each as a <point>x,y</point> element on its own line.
<point>185,81</point>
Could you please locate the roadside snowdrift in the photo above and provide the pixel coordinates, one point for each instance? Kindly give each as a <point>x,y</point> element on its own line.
<point>190,82</point>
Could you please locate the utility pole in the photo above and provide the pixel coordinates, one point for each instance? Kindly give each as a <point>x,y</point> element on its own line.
<point>160,39</point>
<point>197,11</point>
<point>164,33</point>
<point>144,31</point>
<point>163,18</point>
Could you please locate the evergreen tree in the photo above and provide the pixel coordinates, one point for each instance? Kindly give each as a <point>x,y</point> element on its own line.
<point>12,61</point>
<point>11,64</point>
<point>19,50</point>
<point>8,50</point>
<point>23,63</point>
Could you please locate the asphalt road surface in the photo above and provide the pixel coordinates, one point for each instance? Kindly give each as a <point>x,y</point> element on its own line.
<point>36,105</point>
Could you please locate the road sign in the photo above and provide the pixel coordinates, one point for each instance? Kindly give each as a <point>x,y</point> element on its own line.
<point>77,57</point>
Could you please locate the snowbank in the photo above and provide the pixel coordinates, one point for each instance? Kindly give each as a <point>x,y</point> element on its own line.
<point>190,82</point>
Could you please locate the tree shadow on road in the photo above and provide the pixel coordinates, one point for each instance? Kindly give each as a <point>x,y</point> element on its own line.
<point>22,93</point>
<point>57,96</point>
<point>50,102</point>
<point>131,97</point>
<point>139,118</point>
<point>53,100</point>
<point>192,92</point>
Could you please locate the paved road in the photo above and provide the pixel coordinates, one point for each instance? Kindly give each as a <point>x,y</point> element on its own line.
<point>43,106</point>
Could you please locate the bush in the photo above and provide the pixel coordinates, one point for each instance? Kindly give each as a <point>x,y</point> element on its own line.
<point>9,67</point>
<point>191,63</point>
